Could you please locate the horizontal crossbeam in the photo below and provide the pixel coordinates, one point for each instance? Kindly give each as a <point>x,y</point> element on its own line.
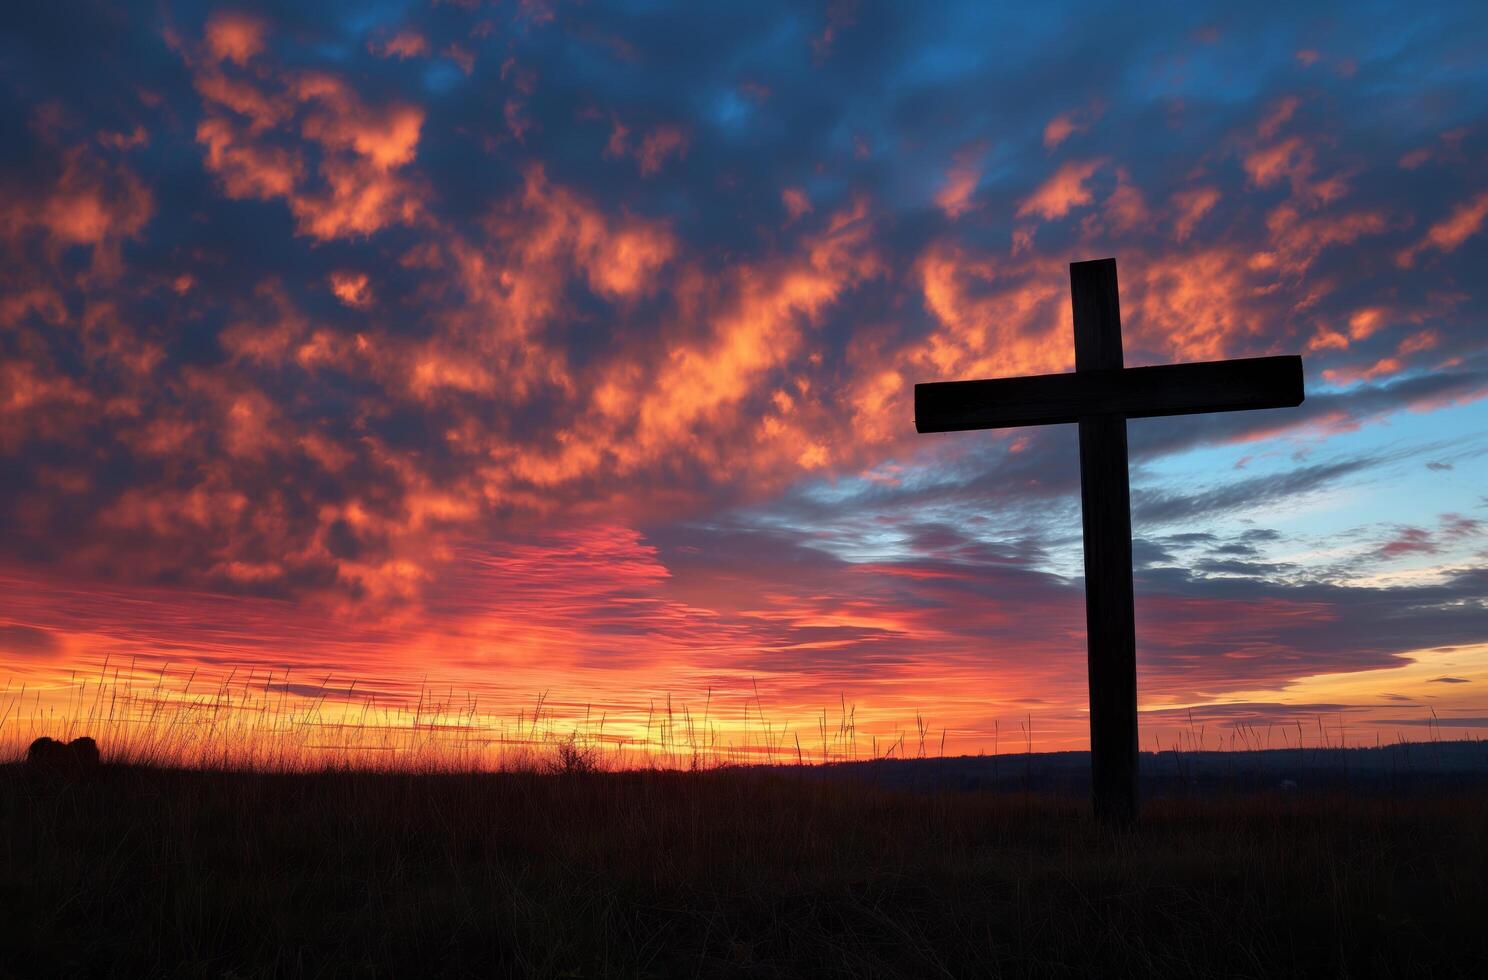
<point>1144,392</point>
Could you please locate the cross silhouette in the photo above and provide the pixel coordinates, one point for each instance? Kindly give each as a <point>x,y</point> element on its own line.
<point>1101,395</point>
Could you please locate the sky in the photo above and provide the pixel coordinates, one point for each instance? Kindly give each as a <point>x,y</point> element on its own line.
<point>569,348</point>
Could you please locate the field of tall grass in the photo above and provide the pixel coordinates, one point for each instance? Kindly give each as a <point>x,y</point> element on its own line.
<point>268,720</point>
<point>265,720</point>
<point>140,871</point>
<point>253,825</point>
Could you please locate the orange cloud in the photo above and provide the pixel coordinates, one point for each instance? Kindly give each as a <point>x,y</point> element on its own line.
<point>1297,238</point>
<point>501,291</point>
<point>620,259</point>
<point>1190,207</point>
<point>1269,164</point>
<point>954,196</point>
<point>84,210</point>
<point>1364,323</point>
<point>1126,209</point>
<point>1292,159</point>
<point>271,333</point>
<point>689,399</point>
<point>1417,342</point>
<point>38,402</point>
<point>352,288</point>
<point>245,168</point>
<point>236,37</point>
<point>1062,192</point>
<point>362,148</point>
<point>1349,375</point>
<point>993,318</point>
<point>387,137</point>
<point>261,106</point>
<point>1196,307</point>
<point>91,203</point>
<point>1446,235</point>
<point>1066,124</point>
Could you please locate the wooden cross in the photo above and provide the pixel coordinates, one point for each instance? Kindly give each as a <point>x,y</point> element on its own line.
<point>1101,395</point>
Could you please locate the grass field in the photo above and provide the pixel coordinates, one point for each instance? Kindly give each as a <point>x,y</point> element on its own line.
<point>141,871</point>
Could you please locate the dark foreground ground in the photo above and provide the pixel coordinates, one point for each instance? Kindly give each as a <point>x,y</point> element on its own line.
<point>139,872</point>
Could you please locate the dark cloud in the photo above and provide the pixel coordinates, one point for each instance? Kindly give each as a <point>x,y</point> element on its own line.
<point>27,641</point>
<point>1220,566</point>
<point>1445,722</point>
<point>1327,627</point>
<point>1211,627</point>
<point>316,692</point>
<point>1162,507</point>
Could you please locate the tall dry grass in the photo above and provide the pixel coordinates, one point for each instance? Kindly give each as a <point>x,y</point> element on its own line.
<point>272,721</point>
<point>725,872</point>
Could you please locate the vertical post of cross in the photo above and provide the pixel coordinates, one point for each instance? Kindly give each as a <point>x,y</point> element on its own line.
<point>1105,503</point>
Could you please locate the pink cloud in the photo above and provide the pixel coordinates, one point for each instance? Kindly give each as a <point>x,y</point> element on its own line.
<point>1066,124</point>
<point>1446,235</point>
<point>1415,158</point>
<point>514,110</point>
<point>615,146</point>
<point>796,202</point>
<point>653,149</point>
<point>462,56</point>
<point>1451,529</point>
<point>954,196</point>
<point>1277,116</point>
<point>406,43</point>
<point>1059,129</point>
<point>657,145</point>
<point>840,14</point>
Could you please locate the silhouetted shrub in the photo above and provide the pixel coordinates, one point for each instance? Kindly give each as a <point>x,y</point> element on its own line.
<point>75,758</point>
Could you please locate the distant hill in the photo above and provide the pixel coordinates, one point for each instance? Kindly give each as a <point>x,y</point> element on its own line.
<point>1402,767</point>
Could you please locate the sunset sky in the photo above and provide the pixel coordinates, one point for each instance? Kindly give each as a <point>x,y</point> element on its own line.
<point>570,347</point>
